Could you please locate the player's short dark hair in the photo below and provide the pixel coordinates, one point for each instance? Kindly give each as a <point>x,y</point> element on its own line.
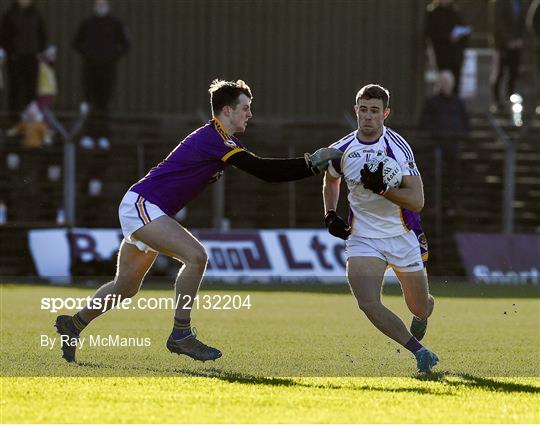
<point>223,93</point>
<point>374,91</point>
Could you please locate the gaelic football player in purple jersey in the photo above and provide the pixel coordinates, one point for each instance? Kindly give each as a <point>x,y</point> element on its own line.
<point>385,229</point>
<point>147,209</point>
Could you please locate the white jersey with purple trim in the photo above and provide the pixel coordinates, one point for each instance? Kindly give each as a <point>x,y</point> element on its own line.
<point>373,216</point>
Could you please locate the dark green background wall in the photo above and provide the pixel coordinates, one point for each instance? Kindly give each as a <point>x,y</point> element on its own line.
<point>301,57</point>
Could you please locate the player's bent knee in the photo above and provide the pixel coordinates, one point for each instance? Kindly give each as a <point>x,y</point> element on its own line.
<point>369,306</point>
<point>199,258</point>
<point>424,310</point>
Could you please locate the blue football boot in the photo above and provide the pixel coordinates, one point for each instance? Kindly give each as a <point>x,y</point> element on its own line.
<point>426,360</point>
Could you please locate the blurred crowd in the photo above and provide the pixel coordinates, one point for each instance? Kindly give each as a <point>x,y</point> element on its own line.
<point>28,63</point>
<point>33,138</point>
<point>447,36</point>
<point>444,114</point>
<point>28,60</point>
<point>28,76</point>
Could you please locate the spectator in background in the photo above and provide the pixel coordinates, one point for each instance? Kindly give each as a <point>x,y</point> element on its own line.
<point>533,25</point>
<point>101,40</point>
<point>445,118</point>
<point>47,86</point>
<point>32,128</point>
<point>508,25</point>
<point>2,61</point>
<point>444,114</point>
<point>22,38</point>
<point>447,37</point>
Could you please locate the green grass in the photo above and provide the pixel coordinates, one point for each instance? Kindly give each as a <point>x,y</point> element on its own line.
<point>255,400</point>
<point>293,357</point>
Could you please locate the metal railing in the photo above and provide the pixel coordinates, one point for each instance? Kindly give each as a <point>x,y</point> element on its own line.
<point>509,176</point>
<point>69,161</point>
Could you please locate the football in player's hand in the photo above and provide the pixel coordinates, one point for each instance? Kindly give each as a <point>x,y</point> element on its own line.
<point>392,174</point>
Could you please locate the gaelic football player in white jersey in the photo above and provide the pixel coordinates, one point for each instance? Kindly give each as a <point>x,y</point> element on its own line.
<point>383,229</point>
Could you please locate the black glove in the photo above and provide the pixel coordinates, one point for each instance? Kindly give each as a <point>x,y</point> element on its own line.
<point>374,180</point>
<point>336,225</point>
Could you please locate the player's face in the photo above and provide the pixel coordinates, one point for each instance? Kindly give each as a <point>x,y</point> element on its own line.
<point>240,115</point>
<point>370,115</point>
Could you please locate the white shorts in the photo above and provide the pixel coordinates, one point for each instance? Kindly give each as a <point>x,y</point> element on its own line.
<point>135,212</point>
<point>406,253</point>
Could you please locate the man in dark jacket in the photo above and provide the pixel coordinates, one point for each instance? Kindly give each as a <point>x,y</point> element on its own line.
<point>444,115</point>
<point>101,40</point>
<point>446,119</point>
<point>533,25</point>
<point>447,36</point>
<point>508,26</point>
<point>22,38</point>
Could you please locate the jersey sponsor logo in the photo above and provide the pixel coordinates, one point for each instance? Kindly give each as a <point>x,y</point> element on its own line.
<point>359,154</point>
<point>230,143</point>
<point>355,182</point>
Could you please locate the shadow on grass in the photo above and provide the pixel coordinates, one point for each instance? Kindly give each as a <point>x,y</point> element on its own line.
<point>476,382</point>
<point>235,377</point>
<point>445,378</point>
<point>250,379</point>
<point>451,380</point>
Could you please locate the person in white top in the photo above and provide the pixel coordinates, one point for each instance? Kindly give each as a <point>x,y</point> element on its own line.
<point>384,228</point>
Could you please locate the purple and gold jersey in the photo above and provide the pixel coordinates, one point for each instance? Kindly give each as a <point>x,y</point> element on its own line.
<point>186,171</point>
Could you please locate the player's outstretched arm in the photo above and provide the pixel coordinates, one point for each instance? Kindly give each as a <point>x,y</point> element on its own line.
<point>284,169</point>
<point>410,195</point>
<point>336,225</point>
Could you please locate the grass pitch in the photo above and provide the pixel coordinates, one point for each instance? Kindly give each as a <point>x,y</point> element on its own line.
<point>293,357</point>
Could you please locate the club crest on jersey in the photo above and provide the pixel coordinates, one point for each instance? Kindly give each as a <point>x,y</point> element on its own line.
<point>230,143</point>
<point>422,240</point>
